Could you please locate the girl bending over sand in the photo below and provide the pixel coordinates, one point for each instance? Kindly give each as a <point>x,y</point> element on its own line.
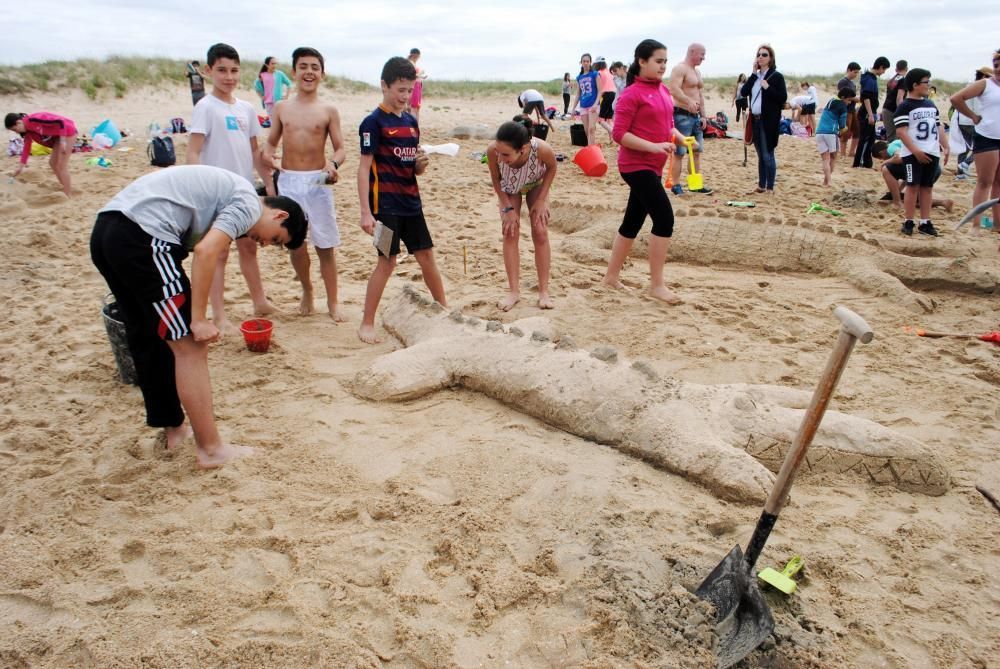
<point>51,130</point>
<point>644,127</point>
<point>522,165</point>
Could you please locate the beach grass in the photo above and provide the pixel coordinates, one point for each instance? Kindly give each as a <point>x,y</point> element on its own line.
<point>116,75</point>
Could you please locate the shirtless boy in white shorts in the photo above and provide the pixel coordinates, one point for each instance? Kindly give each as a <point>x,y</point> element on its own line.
<point>305,121</point>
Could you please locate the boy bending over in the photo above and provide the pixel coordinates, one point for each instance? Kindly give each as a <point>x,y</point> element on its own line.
<point>139,240</point>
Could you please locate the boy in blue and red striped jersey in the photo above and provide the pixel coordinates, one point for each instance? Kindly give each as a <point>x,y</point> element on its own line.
<point>391,159</point>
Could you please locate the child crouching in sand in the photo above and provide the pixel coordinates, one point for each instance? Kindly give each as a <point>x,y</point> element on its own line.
<point>523,165</point>
<point>644,127</point>
<point>56,132</point>
<point>387,190</point>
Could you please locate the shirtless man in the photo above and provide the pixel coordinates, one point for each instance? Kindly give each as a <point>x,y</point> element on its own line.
<point>689,111</point>
<point>305,121</point>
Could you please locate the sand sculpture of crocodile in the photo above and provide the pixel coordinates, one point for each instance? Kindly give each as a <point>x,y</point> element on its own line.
<point>876,265</point>
<point>728,438</point>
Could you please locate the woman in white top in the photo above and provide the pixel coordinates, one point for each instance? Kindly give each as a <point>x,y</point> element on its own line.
<point>522,165</point>
<point>986,143</point>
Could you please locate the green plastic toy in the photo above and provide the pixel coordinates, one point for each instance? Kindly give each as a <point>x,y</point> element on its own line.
<point>816,206</point>
<point>782,580</point>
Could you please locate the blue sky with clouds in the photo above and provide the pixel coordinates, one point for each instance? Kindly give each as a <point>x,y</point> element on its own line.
<point>486,40</point>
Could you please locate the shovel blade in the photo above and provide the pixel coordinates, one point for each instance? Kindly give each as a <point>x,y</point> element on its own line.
<point>743,619</point>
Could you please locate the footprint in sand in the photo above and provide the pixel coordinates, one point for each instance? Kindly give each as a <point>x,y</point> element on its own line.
<point>33,613</point>
<point>258,568</point>
<point>47,200</point>
<point>280,624</point>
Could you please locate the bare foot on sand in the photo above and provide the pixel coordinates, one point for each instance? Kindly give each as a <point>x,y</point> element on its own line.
<point>366,333</point>
<point>545,302</point>
<point>225,327</point>
<point>614,283</point>
<point>336,314</point>
<point>265,308</point>
<point>306,303</point>
<point>949,204</point>
<point>507,303</point>
<point>665,294</point>
<point>176,435</point>
<point>221,455</point>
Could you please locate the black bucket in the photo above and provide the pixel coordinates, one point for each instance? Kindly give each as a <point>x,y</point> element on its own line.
<point>114,323</point>
<point>541,131</point>
<point>577,135</point>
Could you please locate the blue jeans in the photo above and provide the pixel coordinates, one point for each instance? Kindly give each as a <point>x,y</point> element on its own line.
<point>767,166</point>
<point>689,126</point>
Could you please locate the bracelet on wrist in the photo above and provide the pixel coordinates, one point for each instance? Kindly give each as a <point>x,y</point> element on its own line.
<point>506,209</point>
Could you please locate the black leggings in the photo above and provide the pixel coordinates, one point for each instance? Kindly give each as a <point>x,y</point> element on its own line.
<point>566,97</point>
<point>646,197</point>
<point>741,105</point>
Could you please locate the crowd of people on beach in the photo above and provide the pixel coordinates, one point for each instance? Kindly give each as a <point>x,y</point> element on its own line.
<point>145,231</point>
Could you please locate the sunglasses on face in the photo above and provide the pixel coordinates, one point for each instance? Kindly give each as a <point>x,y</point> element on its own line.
<point>763,55</point>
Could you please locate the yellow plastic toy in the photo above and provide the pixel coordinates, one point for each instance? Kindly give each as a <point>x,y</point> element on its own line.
<point>39,149</point>
<point>695,182</point>
<point>782,580</point>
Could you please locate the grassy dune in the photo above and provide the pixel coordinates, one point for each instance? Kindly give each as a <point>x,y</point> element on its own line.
<point>116,75</point>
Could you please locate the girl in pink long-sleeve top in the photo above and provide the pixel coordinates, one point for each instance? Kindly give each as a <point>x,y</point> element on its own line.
<point>51,130</point>
<point>644,127</point>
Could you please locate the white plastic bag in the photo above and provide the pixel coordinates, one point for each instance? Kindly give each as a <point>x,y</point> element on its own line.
<point>450,149</point>
<point>956,142</point>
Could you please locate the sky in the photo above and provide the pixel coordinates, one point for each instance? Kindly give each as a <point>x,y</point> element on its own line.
<point>508,41</point>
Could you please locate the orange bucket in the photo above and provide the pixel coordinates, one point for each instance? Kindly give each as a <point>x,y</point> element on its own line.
<point>591,161</point>
<point>257,334</point>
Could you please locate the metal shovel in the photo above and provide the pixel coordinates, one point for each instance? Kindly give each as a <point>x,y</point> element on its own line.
<point>743,619</point>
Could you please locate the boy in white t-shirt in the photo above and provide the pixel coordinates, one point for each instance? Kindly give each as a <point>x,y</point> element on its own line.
<point>224,133</point>
<point>919,127</point>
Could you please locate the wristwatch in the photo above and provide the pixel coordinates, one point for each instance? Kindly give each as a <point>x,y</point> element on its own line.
<point>336,165</point>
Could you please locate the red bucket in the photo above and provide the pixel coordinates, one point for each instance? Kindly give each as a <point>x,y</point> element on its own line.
<point>257,334</point>
<point>591,161</point>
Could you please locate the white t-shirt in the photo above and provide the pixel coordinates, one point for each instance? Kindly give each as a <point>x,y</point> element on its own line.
<point>228,129</point>
<point>180,204</point>
<point>799,100</point>
<point>531,95</point>
<point>920,118</point>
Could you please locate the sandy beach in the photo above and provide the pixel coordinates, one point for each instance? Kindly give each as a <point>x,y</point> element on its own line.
<point>460,527</point>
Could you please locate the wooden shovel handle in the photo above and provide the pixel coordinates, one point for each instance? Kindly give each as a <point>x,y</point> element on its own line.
<point>854,328</point>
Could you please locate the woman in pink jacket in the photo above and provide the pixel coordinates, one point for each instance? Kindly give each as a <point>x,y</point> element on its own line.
<point>644,127</point>
<point>51,130</point>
